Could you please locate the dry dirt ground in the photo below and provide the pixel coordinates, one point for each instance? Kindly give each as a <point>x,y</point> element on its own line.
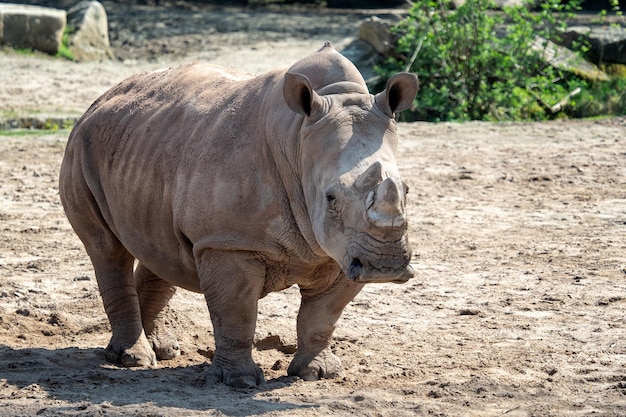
<point>517,308</point>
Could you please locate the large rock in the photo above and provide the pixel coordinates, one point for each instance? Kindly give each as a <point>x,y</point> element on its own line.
<point>375,42</point>
<point>89,32</point>
<point>363,55</point>
<point>375,31</point>
<point>500,4</point>
<point>26,26</point>
<point>358,4</point>
<point>608,43</point>
<point>562,58</point>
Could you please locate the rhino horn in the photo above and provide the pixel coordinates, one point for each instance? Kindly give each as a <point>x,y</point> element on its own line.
<point>387,208</point>
<point>372,176</point>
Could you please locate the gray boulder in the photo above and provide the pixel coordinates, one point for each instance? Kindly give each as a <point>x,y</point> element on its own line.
<point>562,58</point>
<point>500,4</point>
<point>364,57</point>
<point>26,26</point>
<point>608,43</point>
<point>375,31</point>
<point>89,32</point>
<point>375,42</point>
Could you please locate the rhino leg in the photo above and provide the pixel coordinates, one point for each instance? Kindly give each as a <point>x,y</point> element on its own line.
<point>232,284</point>
<point>316,323</point>
<point>154,294</point>
<point>113,266</point>
<point>114,273</point>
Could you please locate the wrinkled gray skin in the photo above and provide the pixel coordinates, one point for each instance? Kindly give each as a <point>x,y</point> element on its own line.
<point>235,186</point>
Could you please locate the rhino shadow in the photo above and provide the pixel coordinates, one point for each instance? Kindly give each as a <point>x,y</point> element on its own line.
<point>84,378</point>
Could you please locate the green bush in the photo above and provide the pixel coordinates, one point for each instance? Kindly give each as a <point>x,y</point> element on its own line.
<point>477,64</point>
<point>607,98</point>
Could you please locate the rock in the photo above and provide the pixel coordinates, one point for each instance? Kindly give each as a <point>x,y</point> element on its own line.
<point>26,26</point>
<point>363,55</point>
<point>562,58</point>
<point>375,31</point>
<point>608,43</point>
<point>359,4</point>
<point>89,32</point>
<point>499,4</point>
<point>375,42</point>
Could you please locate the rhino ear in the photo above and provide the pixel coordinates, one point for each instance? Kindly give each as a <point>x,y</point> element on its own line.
<point>299,95</point>
<point>399,94</point>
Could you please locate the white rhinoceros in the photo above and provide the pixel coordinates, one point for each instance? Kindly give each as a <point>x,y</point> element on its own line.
<point>236,185</point>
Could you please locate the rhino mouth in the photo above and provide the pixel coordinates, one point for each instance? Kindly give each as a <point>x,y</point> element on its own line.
<point>385,262</point>
<point>366,274</point>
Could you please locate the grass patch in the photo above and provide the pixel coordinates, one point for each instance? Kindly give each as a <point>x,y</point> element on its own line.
<point>64,50</point>
<point>51,124</point>
<point>24,51</point>
<point>31,132</point>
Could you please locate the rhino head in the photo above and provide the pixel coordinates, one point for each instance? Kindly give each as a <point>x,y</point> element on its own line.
<point>355,198</point>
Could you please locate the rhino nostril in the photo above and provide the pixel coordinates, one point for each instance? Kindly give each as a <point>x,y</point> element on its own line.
<point>356,266</point>
<point>356,262</point>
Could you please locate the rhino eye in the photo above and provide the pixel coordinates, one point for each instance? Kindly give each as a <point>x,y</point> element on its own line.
<point>330,197</point>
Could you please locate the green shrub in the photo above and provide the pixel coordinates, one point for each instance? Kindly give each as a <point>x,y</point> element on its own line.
<point>605,98</point>
<point>476,64</point>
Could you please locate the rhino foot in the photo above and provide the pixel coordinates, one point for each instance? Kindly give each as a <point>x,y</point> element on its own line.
<point>164,345</point>
<point>311,368</point>
<point>237,377</point>
<point>139,354</point>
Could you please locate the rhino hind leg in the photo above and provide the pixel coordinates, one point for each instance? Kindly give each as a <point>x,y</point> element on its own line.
<point>316,323</point>
<point>129,345</point>
<point>113,266</point>
<point>154,295</point>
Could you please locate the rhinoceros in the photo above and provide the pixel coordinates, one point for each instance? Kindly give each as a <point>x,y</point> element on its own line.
<point>234,185</point>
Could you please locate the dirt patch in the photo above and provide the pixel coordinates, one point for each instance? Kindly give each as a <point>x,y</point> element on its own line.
<point>517,307</point>
<point>149,32</point>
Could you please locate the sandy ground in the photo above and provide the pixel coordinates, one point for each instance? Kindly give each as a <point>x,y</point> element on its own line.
<point>517,307</point>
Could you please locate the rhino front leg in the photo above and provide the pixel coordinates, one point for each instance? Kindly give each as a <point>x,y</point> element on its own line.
<point>154,294</point>
<point>316,324</point>
<point>232,283</point>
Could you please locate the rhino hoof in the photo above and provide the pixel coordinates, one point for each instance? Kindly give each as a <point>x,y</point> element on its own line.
<point>165,348</point>
<point>325,365</point>
<point>131,357</point>
<point>234,378</point>
<point>168,352</point>
<point>241,381</point>
<point>309,374</point>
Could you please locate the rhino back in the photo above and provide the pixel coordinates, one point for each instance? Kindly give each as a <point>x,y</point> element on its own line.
<point>178,162</point>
